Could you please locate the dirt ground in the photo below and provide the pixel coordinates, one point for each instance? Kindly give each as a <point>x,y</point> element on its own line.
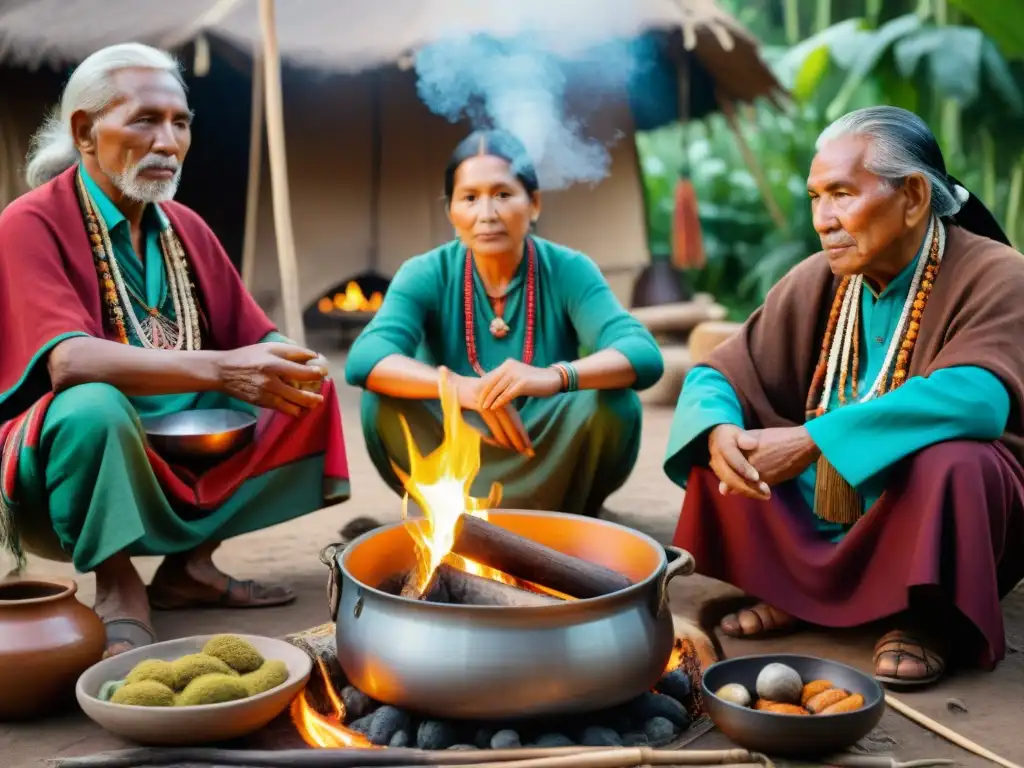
<point>978,705</point>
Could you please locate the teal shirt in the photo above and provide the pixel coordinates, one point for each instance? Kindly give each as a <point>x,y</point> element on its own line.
<point>576,313</point>
<point>862,440</point>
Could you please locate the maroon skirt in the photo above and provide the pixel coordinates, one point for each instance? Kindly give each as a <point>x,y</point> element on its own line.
<point>952,518</point>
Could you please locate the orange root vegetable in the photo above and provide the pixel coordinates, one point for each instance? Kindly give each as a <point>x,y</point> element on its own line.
<point>813,688</point>
<point>822,701</point>
<point>778,708</point>
<point>849,704</point>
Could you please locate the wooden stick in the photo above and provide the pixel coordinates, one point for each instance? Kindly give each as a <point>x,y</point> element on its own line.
<point>435,591</point>
<point>503,550</point>
<point>293,327</point>
<point>947,733</point>
<point>469,589</point>
<point>252,184</point>
<point>379,758</point>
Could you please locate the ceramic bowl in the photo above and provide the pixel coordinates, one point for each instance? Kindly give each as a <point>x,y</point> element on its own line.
<point>792,735</point>
<point>168,726</point>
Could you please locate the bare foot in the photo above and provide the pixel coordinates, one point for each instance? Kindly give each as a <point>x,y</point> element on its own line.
<point>191,580</point>
<point>122,605</point>
<point>759,620</point>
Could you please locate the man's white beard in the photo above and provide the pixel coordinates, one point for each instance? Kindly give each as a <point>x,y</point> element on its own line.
<point>148,190</point>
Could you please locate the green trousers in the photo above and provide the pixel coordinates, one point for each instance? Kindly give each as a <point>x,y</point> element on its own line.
<point>586,444</point>
<point>89,490</point>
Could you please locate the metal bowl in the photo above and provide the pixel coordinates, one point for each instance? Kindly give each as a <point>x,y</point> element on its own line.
<point>494,663</point>
<point>204,435</point>
<point>792,735</point>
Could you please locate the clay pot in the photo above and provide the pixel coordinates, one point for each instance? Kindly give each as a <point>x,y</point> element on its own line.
<point>47,639</point>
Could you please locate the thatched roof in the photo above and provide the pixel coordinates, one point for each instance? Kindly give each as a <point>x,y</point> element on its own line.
<point>349,36</point>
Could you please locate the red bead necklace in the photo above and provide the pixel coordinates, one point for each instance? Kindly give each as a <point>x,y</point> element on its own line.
<point>531,308</point>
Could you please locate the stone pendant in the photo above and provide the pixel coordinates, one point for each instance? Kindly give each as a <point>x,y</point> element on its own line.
<point>499,328</point>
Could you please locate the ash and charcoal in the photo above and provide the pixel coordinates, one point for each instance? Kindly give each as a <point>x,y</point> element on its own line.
<point>654,719</point>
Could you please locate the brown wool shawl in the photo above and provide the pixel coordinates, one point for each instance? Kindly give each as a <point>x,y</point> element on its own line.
<point>974,317</point>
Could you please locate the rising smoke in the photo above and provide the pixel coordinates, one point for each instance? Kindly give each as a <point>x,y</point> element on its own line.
<point>519,83</point>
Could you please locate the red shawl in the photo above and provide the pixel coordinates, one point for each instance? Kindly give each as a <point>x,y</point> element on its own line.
<point>975,317</point>
<point>49,286</point>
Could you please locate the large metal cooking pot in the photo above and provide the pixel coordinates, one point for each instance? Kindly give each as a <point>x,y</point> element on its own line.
<point>483,662</point>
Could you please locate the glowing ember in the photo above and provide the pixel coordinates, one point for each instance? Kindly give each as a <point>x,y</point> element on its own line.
<point>352,300</point>
<point>440,484</point>
<point>322,730</point>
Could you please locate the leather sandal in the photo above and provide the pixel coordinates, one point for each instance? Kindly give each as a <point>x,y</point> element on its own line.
<point>126,631</point>
<point>906,650</point>
<point>237,594</point>
<point>770,621</point>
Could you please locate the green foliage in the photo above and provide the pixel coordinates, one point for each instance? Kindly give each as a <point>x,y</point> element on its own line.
<point>958,77</point>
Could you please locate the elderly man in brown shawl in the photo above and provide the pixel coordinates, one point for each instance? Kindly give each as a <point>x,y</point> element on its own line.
<point>854,453</point>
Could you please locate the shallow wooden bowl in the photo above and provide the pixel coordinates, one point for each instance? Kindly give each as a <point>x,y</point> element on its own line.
<point>170,726</point>
<point>792,735</point>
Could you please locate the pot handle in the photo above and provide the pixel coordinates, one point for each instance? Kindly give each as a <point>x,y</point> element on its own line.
<point>329,557</point>
<point>680,563</point>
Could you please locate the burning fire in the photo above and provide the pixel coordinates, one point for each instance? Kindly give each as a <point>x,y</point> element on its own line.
<point>322,730</point>
<point>440,484</point>
<point>352,300</point>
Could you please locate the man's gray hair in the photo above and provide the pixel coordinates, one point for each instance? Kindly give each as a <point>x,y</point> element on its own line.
<point>91,89</point>
<point>901,145</point>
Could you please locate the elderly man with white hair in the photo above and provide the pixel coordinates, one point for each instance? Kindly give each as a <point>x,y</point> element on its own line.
<point>119,304</point>
<point>855,452</point>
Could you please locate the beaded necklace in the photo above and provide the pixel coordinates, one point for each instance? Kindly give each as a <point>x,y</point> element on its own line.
<point>154,331</point>
<point>502,329</point>
<point>835,499</point>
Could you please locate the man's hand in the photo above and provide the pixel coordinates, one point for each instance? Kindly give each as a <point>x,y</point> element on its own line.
<point>728,446</point>
<point>782,453</point>
<point>260,374</point>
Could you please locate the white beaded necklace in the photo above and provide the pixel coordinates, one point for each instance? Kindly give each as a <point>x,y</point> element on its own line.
<point>847,325</point>
<point>156,331</point>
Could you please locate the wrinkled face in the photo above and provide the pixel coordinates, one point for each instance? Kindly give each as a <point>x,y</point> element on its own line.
<point>141,139</point>
<point>859,217</point>
<point>490,208</point>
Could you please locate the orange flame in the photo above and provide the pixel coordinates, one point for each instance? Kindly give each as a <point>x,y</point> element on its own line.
<point>325,731</point>
<point>352,300</point>
<point>440,484</point>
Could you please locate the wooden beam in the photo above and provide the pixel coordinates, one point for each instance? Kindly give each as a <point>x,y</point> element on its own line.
<point>252,192</point>
<point>286,259</point>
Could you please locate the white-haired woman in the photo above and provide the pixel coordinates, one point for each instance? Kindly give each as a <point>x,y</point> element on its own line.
<point>118,304</point>
<point>854,453</point>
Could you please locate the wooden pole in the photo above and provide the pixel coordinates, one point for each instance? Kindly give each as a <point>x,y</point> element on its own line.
<point>286,259</point>
<point>729,110</point>
<point>252,192</point>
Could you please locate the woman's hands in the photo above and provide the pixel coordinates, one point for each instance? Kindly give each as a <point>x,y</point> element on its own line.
<point>749,463</point>
<point>491,396</point>
<point>284,377</point>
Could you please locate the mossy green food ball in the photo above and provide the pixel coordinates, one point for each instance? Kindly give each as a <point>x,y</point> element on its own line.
<point>146,693</point>
<point>153,669</point>
<point>188,668</point>
<point>213,688</point>
<point>270,675</point>
<point>237,653</point>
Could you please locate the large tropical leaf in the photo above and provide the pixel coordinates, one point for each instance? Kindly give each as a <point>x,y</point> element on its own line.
<point>875,47</point>
<point>1001,20</point>
<point>794,66</point>
<point>960,61</point>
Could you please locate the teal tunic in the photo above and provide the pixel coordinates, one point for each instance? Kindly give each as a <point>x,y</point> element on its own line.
<point>862,440</point>
<point>586,443</point>
<point>89,480</point>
